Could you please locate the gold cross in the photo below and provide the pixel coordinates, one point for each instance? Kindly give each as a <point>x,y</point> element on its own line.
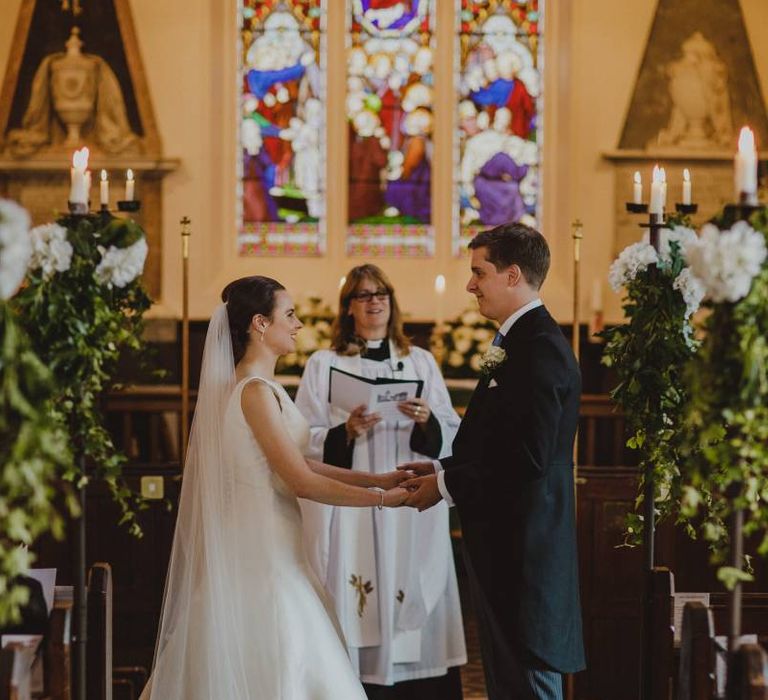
<point>362,589</point>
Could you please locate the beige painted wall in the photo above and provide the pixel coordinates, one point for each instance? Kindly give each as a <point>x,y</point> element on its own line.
<point>594,49</point>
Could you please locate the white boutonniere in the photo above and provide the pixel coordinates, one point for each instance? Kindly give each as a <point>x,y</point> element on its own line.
<point>494,357</point>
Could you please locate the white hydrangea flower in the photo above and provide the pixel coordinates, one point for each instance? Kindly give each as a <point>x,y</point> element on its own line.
<point>120,266</point>
<point>15,247</point>
<point>726,262</point>
<point>680,234</point>
<point>631,261</point>
<point>51,251</point>
<point>692,290</point>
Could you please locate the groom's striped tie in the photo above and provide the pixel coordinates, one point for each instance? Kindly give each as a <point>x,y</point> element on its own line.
<point>497,339</point>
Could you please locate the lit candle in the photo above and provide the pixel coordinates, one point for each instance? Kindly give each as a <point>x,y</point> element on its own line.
<point>104,189</point>
<point>657,193</point>
<point>440,292</point>
<point>78,190</point>
<point>129,184</point>
<point>638,188</point>
<point>686,186</point>
<point>746,164</point>
<point>663,172</point>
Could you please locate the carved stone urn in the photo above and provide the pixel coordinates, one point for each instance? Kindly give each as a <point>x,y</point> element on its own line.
<point>73,88</point>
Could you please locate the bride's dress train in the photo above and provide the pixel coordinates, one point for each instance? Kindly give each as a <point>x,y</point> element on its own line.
<point>277,623</point>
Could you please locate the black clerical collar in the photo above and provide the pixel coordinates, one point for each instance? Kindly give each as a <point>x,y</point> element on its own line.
<point>377,350</point>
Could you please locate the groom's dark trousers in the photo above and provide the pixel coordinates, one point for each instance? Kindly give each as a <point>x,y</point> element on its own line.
<point>511,478</point>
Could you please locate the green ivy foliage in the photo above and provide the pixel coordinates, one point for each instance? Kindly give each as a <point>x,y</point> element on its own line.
<point>33,453</point>
<point>649,353</point>
<point>80,327</point>
<point>726,465</point>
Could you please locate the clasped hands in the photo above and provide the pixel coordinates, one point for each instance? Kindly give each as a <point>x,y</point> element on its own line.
<point>416,483</point>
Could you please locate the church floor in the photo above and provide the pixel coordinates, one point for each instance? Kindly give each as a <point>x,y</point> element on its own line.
<point>472,673</point>
<point>472,679</point>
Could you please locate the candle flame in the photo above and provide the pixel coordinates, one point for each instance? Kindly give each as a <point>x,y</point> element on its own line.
<point>129,174</point>
<point>440,284</point>
<point>746,140</point>
<point>656,177</point>
<point>104,175</point>
<point>638,178</point>
<point>80,158</point>
<point>686,175</point>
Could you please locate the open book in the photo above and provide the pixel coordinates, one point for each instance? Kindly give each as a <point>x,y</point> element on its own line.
<point>348,391</point>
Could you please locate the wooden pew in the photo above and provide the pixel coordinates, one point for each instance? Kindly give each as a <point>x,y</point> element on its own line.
<point>660,638</point>
<point>749,674</point>
<point>696,680</point>
<point>58,653</point>
<point>99,644</point>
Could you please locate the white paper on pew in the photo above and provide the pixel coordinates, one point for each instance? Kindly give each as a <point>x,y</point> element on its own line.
<point>348,391</point>
<point>677,612</point>
<point>31,641</point>
<point>47,579</point>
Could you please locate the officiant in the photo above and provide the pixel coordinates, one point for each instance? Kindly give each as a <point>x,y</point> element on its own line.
<point>389,573</point>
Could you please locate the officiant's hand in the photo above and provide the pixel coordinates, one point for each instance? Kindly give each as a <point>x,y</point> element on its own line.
<point>417,409</point>
<point>390,480</point>
<point>417,468</point>
<point>422,492</point>
<point>394,498</point>
<point>360,422</point>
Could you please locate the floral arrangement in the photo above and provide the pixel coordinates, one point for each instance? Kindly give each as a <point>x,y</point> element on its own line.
<point>727,387</point>
<point>317,317</point>
<point>82,307</point>
<point>649,353</point>
<point>465,341</point>
<point>33,442</point>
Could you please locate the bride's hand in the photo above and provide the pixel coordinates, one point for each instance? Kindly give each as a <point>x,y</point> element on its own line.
<point>391,479</point>
<point>395,497</point>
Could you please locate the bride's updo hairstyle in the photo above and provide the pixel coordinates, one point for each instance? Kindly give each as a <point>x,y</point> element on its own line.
<point>245,298</point>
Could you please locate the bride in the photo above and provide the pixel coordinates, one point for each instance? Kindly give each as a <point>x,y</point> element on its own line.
<point>244,617</point>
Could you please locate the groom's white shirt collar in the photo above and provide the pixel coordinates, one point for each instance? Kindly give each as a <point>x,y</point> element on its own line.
<point>535,304</point>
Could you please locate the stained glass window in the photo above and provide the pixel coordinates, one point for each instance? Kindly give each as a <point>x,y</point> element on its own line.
<point>389,111</point>
<point>282,127</point>
<point>498,86</point>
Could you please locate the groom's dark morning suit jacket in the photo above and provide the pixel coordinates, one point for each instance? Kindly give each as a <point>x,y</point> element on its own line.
<point>511,478</point>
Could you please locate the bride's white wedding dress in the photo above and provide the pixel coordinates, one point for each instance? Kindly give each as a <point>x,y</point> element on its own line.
<point>280,627</point>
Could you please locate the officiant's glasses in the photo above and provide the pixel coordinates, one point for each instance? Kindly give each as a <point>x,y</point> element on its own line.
<point>365,297</point>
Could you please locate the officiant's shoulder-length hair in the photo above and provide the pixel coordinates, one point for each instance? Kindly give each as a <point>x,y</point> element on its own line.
<point>344,340</point>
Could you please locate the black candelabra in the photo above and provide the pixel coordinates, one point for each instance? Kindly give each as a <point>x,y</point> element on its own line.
<point>656,222</point>
<point>80,590</point>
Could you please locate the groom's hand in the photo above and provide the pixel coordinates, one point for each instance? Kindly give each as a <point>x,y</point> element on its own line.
<point>423,492</point>
<point>418,468</point>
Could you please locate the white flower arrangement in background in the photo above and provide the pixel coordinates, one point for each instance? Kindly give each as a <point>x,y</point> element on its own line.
<point>51,251</point>
<point>317,317</point>
<point>466,340</point>
<point>121,266</point>
<point>726,262</point>
<point>15,247</point>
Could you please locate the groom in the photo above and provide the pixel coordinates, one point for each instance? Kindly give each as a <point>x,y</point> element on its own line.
<point>511,477</point>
